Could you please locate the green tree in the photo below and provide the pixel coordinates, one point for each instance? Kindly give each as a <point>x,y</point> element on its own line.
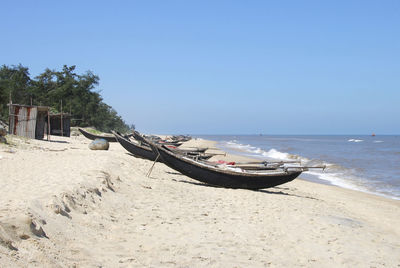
<point>76,91</point>
<point>14,80</point>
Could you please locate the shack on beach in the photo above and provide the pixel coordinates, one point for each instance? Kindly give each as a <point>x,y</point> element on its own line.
<point>60,124</point>
<point>34,122</point>
<point>28,120</point>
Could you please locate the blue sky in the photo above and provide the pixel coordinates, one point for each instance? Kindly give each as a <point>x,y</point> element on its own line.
<point>223,67</point>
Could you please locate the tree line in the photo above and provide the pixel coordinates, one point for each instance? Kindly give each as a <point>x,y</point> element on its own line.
<point>76,91</point>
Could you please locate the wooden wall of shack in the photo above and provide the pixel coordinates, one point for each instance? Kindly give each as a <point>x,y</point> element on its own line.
<point>27,121</point>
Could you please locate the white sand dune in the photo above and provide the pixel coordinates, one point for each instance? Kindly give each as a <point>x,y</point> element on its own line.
<point>63,205</point>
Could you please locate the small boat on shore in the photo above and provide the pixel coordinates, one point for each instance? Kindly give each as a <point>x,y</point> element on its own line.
<point>226,177</point>
<point>92,136</point>
<point>143,150</point>
<point>155,139</point>
<point>109,137</point>
<point>137,149</point>
<point>181,138</point>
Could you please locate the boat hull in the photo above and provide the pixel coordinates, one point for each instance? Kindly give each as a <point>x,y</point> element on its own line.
<point>228,179</point>
<point>136,150</point>
<point>91,136</point>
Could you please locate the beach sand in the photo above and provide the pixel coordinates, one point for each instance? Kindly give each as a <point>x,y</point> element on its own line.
<point>63,205</point>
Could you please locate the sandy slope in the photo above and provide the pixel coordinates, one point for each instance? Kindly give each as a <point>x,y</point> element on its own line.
<point>63,205</point>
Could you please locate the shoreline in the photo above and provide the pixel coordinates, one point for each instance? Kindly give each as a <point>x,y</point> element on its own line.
<point>238,157</point>
<point>315,178</point>
<point>63,205</point>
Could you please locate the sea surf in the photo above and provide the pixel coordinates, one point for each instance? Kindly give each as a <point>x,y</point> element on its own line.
<point>365,163</point>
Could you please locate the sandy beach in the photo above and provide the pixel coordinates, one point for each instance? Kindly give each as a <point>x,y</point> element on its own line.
<point>63,205</point>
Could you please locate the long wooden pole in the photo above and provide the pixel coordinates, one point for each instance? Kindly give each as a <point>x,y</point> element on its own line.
<point>208,148</point>
<point>62,125</point>
<point>9,116</point>
<point>267,162</point>
<point>151,169</point>
<point>48,124</point>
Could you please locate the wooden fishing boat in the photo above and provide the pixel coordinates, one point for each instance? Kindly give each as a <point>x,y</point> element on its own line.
<point>229,177</point>
<point>138,150</point>
<point>92,136</point>
<point>143,150</point>
<point>181,138</point>
<point>155,139</point>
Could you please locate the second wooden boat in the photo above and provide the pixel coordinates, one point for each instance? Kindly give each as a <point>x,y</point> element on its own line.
<point>92,136</point>
<point>139,150</point>
<point>142,150</point>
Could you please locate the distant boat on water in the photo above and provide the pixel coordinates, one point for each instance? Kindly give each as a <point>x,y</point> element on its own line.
<point>373,134</point>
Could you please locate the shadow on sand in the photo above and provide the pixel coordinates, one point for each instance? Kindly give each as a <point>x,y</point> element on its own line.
<point>258,191</point>
<point>279,188</point>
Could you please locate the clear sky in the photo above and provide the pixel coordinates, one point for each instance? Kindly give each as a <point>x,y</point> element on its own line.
<point>223,67</point>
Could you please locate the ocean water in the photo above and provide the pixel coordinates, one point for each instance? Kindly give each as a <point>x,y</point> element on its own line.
<point>364,163</point>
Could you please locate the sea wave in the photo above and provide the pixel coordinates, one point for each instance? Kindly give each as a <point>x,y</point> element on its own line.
<point>333,174</point>
<point>355,140</point>
<point>258,152</point>
<point>352,182</point>
<point>275,154</point>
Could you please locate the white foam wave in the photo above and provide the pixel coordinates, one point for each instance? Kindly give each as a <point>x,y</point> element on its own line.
<point>273,153</point>
<point>236,145</point>
<point>350,182</point>
<point>355,140</point>
<point>333,178</point>
<point>258,152</point>
<point>378,141</point>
